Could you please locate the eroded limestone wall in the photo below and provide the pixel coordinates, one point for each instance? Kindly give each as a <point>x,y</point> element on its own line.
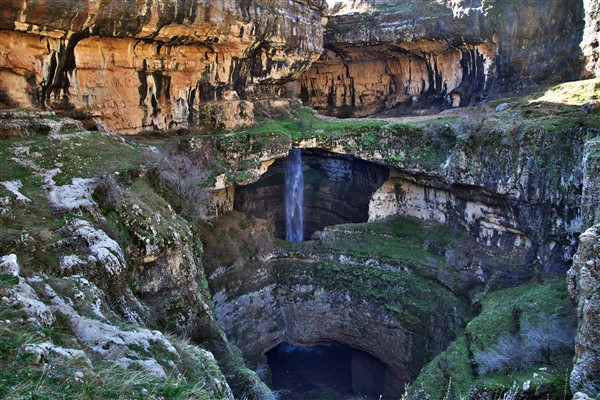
<point>491,224</point>
<point>154,64</point>
<point>418,54</point>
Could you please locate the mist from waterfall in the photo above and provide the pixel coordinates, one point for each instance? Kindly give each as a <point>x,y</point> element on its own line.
<point>294,197</point>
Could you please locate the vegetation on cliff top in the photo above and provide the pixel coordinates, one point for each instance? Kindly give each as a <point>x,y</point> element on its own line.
<point>504,312</point>
<point>543,125</point>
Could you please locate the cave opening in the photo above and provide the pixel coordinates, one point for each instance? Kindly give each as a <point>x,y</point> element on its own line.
<point>333,371</point>
<point>337,190</point>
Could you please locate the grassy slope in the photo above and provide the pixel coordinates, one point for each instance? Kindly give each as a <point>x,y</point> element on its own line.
<point>30,231</point>
<point>494,321</point>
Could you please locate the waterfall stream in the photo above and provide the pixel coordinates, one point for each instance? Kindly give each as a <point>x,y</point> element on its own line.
<point>294,197</point>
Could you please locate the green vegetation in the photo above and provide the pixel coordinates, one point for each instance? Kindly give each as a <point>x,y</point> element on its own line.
<point>503,312</point>
<point>411,298</point>
<point>303,125</point>
<point>394,265</point>
<point>497,6</point>
<point>398,242</point>
<point>50,376</point>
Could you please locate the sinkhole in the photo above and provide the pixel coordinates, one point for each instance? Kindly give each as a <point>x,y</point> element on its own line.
<point>337,190</point>
<point>335,371</point>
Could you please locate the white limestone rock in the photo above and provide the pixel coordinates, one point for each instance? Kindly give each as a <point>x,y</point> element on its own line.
<point>101,249</point>
<point>9,265</point>
<point>13,187</point>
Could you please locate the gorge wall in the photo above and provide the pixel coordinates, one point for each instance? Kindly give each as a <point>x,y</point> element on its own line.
<point>337,190</point>
<point>507,198</point>
<point>485,183</point>
<point>450,53</point>
<point>267,293</point>
<point>169,64</point>
<point>154,64</point>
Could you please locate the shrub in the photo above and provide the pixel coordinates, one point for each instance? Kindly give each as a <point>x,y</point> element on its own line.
<point>554,336</point>
<point>182,183</point>
<point>535,343</point>
<point>109,193</point>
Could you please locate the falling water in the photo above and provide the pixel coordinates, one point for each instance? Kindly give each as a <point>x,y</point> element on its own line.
<point>294,197</point>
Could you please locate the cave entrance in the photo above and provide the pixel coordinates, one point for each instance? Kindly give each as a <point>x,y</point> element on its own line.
<point>337,190</point>
<point>332,371</point>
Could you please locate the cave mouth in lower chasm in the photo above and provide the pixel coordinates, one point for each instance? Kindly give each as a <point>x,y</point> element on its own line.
<point>337,190</point>
<point>333,371</point>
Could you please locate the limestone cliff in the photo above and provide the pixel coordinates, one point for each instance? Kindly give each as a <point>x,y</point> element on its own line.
<point>154,64</point>
<point>584,282</point>
<point>445,53</point>
<point>513,187</point>
<point>591,37</point>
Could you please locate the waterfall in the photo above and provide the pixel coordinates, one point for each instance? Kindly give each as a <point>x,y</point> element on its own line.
<point>294,197</point>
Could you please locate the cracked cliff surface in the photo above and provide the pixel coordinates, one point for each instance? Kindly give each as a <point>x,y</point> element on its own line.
<point>154,64</point>
<point>448,53</point>
<point>465,205</point>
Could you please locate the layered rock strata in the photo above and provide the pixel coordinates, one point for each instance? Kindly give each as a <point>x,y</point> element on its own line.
<point>510,193</point>
<point>154,64</point>
<point>584,284</point>
<point>337,190</point>
<point>413,55</point>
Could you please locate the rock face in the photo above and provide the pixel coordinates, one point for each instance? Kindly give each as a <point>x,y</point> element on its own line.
<point>484,183</point>
<point>584,285</point>
<point>590,201</point>
<point>591,37</point>
<point>446,53</point>
<point>337,191</point>
<point>317,295</point>
<point>154,64</point>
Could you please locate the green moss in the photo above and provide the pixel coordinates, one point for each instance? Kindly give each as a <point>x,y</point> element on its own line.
<point>533,300</point>
<point>411,298</point>
<point>399,242</point>
<point>451,367</point>
<point>496,319</point>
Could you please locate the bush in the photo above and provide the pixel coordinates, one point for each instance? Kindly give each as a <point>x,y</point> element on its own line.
<point>535,343</point>
<point>109,193</point>
<point>182,183</point>
<point>554,336</point>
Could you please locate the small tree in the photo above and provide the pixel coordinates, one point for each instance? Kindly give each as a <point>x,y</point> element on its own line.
<point>554,336</point>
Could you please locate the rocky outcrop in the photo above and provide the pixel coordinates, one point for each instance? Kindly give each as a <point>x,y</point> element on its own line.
<point>418,54</point>
<point>337,191</point>
<point>154,64</point>
<point>97,336</point>
<point>329,293</point>
<point>584,288</point>
<point>591,37</point>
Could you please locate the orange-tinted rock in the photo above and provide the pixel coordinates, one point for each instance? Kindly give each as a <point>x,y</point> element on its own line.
<point>447,54</point>
<point>153,64</point>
